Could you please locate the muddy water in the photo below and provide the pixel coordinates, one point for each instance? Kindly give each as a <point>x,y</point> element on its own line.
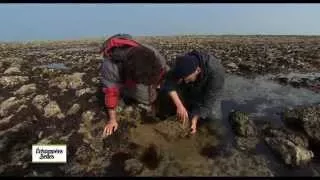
<point>266,100</point>
<point>212,153</point>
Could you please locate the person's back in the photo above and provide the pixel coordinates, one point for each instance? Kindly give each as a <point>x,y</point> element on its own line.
<point>131,69</point>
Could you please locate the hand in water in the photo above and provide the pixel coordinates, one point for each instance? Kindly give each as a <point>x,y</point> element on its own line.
<point>110,128</point>
<point>194,122</point>
<point>193,129</point>
<point>182,114</point>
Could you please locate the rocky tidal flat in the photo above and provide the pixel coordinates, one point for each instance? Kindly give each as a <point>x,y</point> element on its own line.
<point>50,93</point>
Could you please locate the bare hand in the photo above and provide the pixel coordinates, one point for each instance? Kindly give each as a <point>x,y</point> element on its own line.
<point>194,122</point>
<point>182,114</point>
<point>110,128</point>
<point>193,129</point>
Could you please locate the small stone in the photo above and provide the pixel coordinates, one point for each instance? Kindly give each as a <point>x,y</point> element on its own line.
<point>95,80</point>
<point>52,109</point>
<point>25,166</point>
<point>40,134</point>
<point>93,99</point>
<point>40,101</point>
<point>232,66</point>
<point>12,70</point>
<point>75,80</point>
<point>84,91</point>
<point>73,110</point>
<point>26,89</point>
<point>88,116</point>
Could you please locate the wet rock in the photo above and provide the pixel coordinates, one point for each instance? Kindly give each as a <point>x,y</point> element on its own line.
<point>242,125</point>
<point>4,143</point>
<point>171,130</point>
<point>232,66</point>
<point>85,91</point>
<point>12,70</point>
<point>73,81</point>
<point>40,134</point>
<point>66,138</point>
<point>240,164</point>
<point>22,107</point>
<point>133,166</point>
<point>247,143</point>
<point>95,80</point>
<point>26,89</point>
<point>93,99</point>
<point>50,139</point>
<point>86,126</point>
<point>4,122</point>
<point>306,118</point>
<point>73,110</point>
<point>53,110</point>
<point>16,129</point>
<point>295,137</point>
<point>40,101</point>
<point>298,80</point>
<point>247,66</point>
<point>8,105</point>
<point>151,156</point>
<point>292,148</point>
<point>12,81</point>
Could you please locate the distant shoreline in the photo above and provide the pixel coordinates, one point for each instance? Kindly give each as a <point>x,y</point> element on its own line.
<point>94,39</point>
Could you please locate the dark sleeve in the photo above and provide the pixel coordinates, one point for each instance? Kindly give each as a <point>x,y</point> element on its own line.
<point>215,81</point>
<point>170,84</point>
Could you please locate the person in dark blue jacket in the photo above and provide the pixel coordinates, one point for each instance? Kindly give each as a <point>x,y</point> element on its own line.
<point>194,86</point>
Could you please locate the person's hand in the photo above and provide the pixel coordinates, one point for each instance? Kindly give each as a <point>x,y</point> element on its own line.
<point>182,114</point>
<point>194,123</point>
<point>110,128</point>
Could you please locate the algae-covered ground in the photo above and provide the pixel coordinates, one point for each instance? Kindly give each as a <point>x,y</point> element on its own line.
<point>50,93</point>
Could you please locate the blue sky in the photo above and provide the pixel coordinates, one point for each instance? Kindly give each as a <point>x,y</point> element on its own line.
<point>21,22</point>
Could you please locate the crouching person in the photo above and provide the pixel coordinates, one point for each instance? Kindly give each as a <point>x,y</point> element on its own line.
<point>130,70</point>
<point>193,88</point>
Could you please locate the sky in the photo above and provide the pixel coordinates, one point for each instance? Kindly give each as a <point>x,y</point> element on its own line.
<point>22,22</point>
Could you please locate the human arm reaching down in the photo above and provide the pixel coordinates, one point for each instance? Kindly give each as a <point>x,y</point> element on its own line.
<point>111,89</point>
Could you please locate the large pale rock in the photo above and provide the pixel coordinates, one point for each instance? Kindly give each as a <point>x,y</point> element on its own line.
<point>53,110</point>
<point>12,81</point>
<point>73,110</point>
<point>73,81</point>
<point>40,101</point>
<point>86,126</point>
<point>292,148</point>
<point>8,105</point>
<point>26,89</point>
<point>12,70</point>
